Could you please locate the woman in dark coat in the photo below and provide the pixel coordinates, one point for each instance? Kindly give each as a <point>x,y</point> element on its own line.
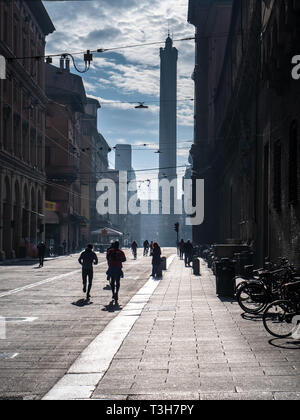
<point>156,260</point>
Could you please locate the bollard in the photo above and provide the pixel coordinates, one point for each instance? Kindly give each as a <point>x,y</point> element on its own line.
<point>196,267</point>
<point>163,263</point>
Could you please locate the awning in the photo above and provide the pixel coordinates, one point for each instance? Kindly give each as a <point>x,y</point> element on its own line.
<point>108,230</point>
<point>51,218</point>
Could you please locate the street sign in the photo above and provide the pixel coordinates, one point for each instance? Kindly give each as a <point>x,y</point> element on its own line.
<point>51,206</point>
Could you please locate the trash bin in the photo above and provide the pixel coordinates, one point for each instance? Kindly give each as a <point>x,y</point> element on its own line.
<point>163,263</point>
<point>243,259</point>
<point>196,267</point>
<point>22,252</point>
<point>225,277</point>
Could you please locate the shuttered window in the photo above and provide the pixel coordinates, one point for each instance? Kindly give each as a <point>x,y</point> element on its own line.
<point>277,176</point>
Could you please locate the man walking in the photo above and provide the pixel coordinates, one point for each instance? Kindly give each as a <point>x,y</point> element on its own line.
<point>134,249</point>
<point>188,253</point>
<point>87,259</point>
<point>156,260</point>
<point>181,246</point>
<point>146,247</point>
<point>41,253</point>
<point>115,258</point>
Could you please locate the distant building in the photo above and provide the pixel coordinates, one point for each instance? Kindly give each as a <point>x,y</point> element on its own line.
<point>93,167</point>
<point>23,28</point>
<point>131,224</point>
<point>123,221</point>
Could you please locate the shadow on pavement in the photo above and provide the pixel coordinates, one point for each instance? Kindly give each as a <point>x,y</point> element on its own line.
<point>226,299</point>
<point>82,302</point>
<point>282,343</point>
<point>20,263</point>
<point>112,307</point>
<point>252,317</point>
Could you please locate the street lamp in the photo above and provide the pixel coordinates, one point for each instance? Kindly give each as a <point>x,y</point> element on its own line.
<point>141,106</point>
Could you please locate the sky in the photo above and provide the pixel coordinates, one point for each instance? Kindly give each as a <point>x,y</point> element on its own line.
<point>123,78</point>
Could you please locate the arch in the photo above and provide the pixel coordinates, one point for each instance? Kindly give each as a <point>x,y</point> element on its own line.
<point>25,201</point>
<point>17,222</point>
<point>7,204</point>
<point>33,215</point>
<point>40,201</point>
<point>6,190</point>
<point>25,213</point>
<point>16,193</point>
<point>32,199</point>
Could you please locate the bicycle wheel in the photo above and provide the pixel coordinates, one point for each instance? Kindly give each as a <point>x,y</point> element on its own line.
<point>252,298</point>
<point>278,318</point>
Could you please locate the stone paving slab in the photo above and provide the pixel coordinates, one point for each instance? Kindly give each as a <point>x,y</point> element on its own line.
<point>189,344</point>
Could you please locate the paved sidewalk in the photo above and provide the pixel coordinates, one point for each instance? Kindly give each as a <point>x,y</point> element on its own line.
<point>189,344</point>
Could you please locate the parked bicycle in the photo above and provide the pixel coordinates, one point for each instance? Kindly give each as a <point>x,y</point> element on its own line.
<point>282,317</point>
<point>253,295</point>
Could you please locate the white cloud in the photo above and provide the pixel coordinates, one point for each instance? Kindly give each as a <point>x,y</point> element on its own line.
<point>130,74</point>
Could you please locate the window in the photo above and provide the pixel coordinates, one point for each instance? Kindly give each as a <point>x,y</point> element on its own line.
<point>47,156</point>
<point>277,176</point>
<point>293,164</point>
<point>5,26</point>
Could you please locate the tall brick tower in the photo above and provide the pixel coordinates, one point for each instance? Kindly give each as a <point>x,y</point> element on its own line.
<point>168,133</point>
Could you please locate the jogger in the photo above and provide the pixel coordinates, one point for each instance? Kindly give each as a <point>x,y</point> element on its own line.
<point>87,259</point>
<point>115,258</point>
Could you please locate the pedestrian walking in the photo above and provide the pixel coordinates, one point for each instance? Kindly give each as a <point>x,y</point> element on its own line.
<point>41,253</point>
<point>115,259</point>
<point>181,248</point>
<point>146,248</point>
<point>151,249</point>
<point>110,247</point>
<point>134,249</point>
<point>87,259</point>
<point>156,260</point>
<point>188,253</point>
<point>64,244</point>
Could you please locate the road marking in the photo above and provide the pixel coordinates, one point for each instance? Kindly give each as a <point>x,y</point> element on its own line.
<point>40,283</point>
<point>8,355</point>
<point>89,368</point>
<point>20,319</point>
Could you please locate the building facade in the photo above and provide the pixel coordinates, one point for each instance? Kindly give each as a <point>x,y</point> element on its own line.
<point>251,167</point>
<point>23,28</point>
<point>65,109</point>
<point>93,167</point>
<point>211,19</point>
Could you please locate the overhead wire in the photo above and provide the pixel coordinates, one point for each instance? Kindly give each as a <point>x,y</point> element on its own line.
<point>121,47</point>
